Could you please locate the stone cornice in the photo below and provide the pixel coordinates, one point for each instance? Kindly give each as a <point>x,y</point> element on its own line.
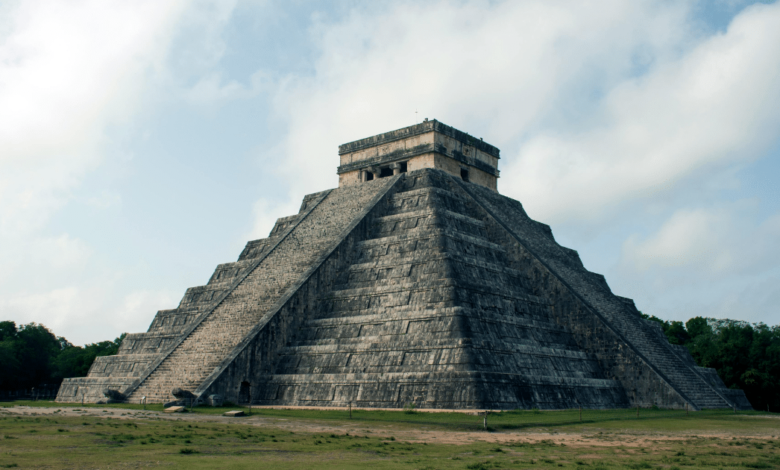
<point>405,154</point>
<point>418,129</point>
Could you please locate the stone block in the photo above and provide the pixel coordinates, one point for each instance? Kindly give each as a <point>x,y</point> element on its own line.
<point>416,288</point>
<point>214,400</point>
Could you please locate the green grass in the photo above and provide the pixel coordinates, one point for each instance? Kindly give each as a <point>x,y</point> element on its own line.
<point>500,421</point>
<point>608,440</point>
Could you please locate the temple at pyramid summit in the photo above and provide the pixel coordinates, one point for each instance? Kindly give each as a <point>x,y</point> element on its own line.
<point>413,282</point>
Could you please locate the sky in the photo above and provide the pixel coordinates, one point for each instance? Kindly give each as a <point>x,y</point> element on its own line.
<point>142,143</point>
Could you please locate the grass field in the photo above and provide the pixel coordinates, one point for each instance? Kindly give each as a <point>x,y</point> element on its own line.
<point>49,435</point>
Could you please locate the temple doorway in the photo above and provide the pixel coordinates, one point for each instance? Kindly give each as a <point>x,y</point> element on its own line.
<point>244,393</point>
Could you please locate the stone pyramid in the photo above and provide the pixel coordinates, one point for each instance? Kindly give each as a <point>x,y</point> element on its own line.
<point>413,282</point>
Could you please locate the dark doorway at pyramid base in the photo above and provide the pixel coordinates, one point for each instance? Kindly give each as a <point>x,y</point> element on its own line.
<point>244,393</point>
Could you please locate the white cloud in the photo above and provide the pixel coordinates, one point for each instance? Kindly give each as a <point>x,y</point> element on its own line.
<point>104,200</point>
<point>137,309</point>
<point>214,88</point>
<point>718,262</point>
<point>200,37</point>
<point>601,110</point>
<point>689,237</point>
<point>54,308</point>
<point>68,73</point>
<point>36,260</point>
<point>592,105</point>
<point>265,214</point>
<point>62,252</point>
<point>755,300</point>
<point>712,242</point>
<point>498,69</point>
<point>719,103</point>
<point>88,312</point>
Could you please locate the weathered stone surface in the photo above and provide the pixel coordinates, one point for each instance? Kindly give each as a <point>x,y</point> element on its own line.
<point>415,288</point>
<point>428,312</point>
<point>631,349</point>
<point>430,144</point>
<point>234,413</point>
<point>215,400</point>
<point>175,409</point>
<point>182,394</point>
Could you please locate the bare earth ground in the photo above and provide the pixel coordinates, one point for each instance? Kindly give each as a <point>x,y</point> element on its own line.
<point>626,437</point>
<point>48,435</point>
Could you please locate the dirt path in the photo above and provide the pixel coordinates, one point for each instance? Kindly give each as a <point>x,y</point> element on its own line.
<point>611,438</point>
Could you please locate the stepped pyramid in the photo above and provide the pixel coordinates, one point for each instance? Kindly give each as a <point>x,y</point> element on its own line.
<point>413,282</point>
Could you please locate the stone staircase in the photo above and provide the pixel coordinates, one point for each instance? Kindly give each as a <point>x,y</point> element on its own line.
<point>139,351</point>
<point>430,313</point>
<point>619,314</point>
<point>251,289</point>
<point>416,288</point>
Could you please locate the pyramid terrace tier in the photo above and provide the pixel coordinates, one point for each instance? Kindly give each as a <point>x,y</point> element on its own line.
<point>449,390</point>
<point>416,288</point>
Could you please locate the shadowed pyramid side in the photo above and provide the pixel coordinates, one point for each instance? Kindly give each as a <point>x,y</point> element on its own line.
<point>629,348</point>
<point>429,312</point>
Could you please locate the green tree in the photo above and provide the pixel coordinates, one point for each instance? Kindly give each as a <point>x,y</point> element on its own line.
<point>7,330</point>
<point>75,361</point>
<point>35,348</point>
<point>746,356</point>
<point>698,326</point>
<point>9,365</point>
<point>677,333</point>
<point>30,355</point>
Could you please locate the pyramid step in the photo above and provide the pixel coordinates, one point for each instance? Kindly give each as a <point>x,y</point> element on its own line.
<point>410,289</point>
<point>414,314</point>
<point>299,241</point>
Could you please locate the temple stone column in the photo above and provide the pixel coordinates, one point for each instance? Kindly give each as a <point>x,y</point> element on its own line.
<point>396,168</point>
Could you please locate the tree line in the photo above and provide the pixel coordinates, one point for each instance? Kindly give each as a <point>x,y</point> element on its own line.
<point>31,356</point>
<point>746,356</point>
